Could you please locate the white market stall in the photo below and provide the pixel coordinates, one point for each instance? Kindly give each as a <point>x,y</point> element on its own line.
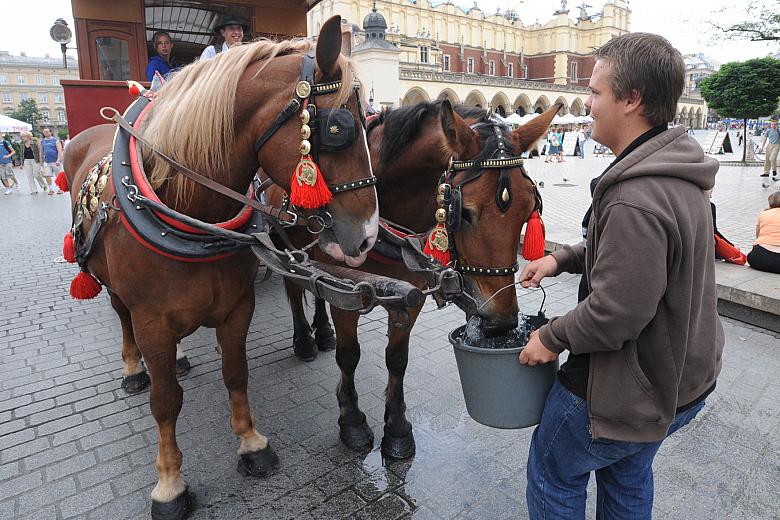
<point>9,124</point>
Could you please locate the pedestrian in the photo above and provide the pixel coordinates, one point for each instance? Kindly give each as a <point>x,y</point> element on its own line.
<point>229,32</point>
<point>163,62</point>
<point>739,138</point>
<point>770,144</point>
<point>31,162</point>
<point>51,150</point>
<point>7,175</point>
<point>765,255</point>
<point>582,137</point>
<point>645,340</point>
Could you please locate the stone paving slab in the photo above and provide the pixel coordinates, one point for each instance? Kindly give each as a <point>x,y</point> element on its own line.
<point>72,445</point>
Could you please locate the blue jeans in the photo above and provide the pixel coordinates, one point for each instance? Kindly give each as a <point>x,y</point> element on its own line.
<point>562,455</point>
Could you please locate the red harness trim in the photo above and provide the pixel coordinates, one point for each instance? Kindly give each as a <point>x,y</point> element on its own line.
<point>376,257</point>
<point>237,222</point>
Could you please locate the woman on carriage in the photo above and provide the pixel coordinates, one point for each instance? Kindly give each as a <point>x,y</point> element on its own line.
<point>230,32</point>
<point>163,62</point>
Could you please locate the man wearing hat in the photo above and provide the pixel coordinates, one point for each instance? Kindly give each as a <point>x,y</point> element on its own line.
<point>230,30</point>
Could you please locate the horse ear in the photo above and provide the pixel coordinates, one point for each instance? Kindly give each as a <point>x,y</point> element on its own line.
<point>329,46</point>
<point>530,132</point>
<point>461,140</point>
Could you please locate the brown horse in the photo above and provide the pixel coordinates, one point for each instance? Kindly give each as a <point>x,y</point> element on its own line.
<point>209,117</point>
<point>410,147</point>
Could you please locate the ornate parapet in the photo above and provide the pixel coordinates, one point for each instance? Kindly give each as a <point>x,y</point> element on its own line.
<point>462,78</point>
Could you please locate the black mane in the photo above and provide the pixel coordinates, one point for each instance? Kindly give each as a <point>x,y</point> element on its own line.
<point>402,125</point>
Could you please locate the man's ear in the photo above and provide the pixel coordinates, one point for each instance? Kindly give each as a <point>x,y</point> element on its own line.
<point>633,101</point>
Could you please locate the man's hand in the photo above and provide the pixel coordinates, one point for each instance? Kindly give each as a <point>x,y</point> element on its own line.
<point>535,353</point>
<point>534,272</point>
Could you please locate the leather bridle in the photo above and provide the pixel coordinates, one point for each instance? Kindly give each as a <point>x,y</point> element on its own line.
<point>450,196</point>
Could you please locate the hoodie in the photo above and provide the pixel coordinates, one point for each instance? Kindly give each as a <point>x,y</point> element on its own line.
<point>650,321</point>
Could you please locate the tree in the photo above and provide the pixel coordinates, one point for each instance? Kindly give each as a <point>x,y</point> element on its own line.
<point>761,22</point>
<point>27,112</point>
<point>745,90</point>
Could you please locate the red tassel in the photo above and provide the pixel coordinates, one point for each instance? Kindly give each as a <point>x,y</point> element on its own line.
<point>69,249</point>
<point>135,88</point>
<point>61,181</point>
<point>437,245</point>
<point>533,242</point>
<point>307,187</point>
<point>84,287</point>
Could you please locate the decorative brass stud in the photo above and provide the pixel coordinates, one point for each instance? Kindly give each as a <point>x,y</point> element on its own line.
<point>303,89</point>
<point>440,199</point>
<point>441,215</point>
<point>505,195</point>
<point>305,147</point>
<point>334,129</point>
<point>305,117</point>
<point>305,131</point>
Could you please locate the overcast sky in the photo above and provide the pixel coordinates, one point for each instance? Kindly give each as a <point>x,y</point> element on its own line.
<point>683,22</point>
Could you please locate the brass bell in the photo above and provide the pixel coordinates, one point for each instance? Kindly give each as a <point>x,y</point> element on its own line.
<point>505,195</point>
<point>305,147</point>
<point>305,131</point>
<point>441,215</point>
<point>305,117</point>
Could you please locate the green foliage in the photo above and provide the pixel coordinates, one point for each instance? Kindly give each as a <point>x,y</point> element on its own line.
<point>27,112</point>
<point>62,133</point>
<point>744,90</point>
<point>761,22</point>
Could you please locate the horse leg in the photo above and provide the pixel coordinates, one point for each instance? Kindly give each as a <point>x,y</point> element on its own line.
<point>134,376</point>
<point>353,427</point>
<point>171,498</point>
<point>398,441</point>
<point>324,336</point>
<point>303,342</point>
<point>182,363</point>
<point>257,457</point>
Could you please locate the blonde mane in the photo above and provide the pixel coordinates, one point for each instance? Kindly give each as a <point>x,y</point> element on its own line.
<point>192,117</point>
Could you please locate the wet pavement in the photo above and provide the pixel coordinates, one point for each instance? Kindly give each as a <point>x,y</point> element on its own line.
<point>73,445</point>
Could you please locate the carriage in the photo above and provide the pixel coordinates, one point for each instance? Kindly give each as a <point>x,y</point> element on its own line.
<point>170,221</point>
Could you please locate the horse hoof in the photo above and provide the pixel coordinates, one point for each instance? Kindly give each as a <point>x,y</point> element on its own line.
<point>258,463</point>
<point>177,509</point>
<point>325,341</point>
<point>136,383</point>
<point>182,367</point>
<point>358,437</point>
<point>398,448</point>
<point>305,349</point>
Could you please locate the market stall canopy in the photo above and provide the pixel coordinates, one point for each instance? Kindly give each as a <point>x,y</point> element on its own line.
<point>9,124</point>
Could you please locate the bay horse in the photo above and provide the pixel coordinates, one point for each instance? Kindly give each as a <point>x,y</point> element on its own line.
<point>410,147</point>
<point>209,116</point>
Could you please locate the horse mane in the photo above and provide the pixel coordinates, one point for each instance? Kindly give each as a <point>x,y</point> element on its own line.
<point>192,118</point>
<point>401,125</point>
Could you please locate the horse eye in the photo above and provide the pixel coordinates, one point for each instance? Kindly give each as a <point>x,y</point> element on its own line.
<point>467,216</point>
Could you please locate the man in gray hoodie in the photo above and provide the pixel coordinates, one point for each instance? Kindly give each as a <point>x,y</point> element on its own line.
<point>645,340</point>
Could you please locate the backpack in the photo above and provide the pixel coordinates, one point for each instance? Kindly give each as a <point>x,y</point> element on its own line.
<point>7,146</point>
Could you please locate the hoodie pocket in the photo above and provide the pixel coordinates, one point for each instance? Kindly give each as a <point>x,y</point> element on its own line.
<point>632,360</point>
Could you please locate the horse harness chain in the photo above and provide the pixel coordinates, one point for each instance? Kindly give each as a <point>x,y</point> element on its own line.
<point>450,197</point>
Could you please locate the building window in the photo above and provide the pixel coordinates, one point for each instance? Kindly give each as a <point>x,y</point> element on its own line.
<point>3,79</point>
<point>492,68</point>
<point>24,96</point>
<point>7,97</point>
<point>55,80</point>
<point>60,116</point>
<point>42,98</point>
<point>21,79</point>
<point>525,71</point>
<point>446,61</point>
<point>45,115</point>
<point>423,54</point>
<point>470,65</point>
<point>39,79</point>
<point>58,98</point>
<point>510,70</point>
<point>574,71</point>
<point>113,58</point>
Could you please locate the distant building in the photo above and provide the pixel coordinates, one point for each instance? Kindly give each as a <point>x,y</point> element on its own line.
<point>697,67</point>
<point>27,77</point>
<point>419,50</point>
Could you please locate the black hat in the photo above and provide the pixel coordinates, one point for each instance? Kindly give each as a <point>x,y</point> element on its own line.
<point>230,19</point>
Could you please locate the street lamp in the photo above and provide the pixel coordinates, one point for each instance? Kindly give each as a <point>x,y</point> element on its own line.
<point>61,33</point>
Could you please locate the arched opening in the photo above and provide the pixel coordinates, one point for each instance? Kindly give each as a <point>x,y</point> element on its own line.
<point>578,107</point>
<point>475,99</point>
<point>523,105</point>
<point>565,109</point>
<point>414,96</point>
<point>542,104</point>
<point>450,94</point>
<point>500,104</point>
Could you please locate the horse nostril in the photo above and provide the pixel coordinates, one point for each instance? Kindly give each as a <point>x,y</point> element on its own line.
<point>364,246</point>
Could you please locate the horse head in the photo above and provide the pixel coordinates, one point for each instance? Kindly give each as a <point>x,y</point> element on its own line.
<point>489,198</point>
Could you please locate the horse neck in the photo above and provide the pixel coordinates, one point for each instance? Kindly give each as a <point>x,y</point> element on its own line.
<point>407,187</point>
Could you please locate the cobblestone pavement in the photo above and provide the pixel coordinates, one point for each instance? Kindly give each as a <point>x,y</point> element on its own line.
<point>72,445</point>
